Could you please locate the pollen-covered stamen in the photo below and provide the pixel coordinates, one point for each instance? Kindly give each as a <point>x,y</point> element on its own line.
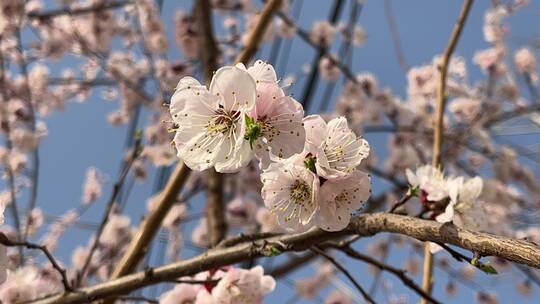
<point>344,155</point>
<point>299,198</point>
<point>222,121</point>
<point>300,192</point>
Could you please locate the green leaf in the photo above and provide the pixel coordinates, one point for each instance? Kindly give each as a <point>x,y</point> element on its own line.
<point>487,268</point>
<point>253,130</point>
<point>271,250</point>
<point>413,191</point>
<point>309,162</point>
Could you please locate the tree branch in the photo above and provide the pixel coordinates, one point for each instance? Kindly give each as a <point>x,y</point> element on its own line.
<point>257,34</point>
<point>401,274</point>
<point>518,251</point>
<point>106,214</point>
<point>438,128</point>
<point>345,272</point>
<point>7,242</point>
<point>77,11</point>
<point>150,226</point>
<point>215,207</point>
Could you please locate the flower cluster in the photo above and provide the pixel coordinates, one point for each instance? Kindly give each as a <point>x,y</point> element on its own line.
<point>319,186</point>
<point>310,175</point>
<point>449,199</point>
<point>235,285</point>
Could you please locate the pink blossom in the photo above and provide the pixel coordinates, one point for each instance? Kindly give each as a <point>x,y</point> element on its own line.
<point>489,59</point>
<point>241,211</point>
<point>338,297</point>
<point>241,286</point>
<point>340,198</point>
<point>329,71</point>
<point>175,216</point>
<point>211,123</point>
<point>180,294</point>
<point>431,181</point>
<point>336,148</point>
<point>466,110</point>
<point>277,129</point>
<point>267,220</point>
<point>322,33</point>
<point>117,231</point>
<point>290,190</point>
<point>199,235</point>
<point>35,221</point>
<point>525,61</point>
<point>93,185</point>
<point>186,35</point>
<point>486,298</point>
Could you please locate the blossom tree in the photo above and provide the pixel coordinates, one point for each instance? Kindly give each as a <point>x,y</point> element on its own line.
<point>260,193</point>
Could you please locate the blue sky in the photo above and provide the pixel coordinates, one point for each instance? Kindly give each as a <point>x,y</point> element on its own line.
<point>80,137</point>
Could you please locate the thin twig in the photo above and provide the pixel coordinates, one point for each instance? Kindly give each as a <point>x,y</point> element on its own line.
<point>292,264</point>
<point>438,128</point>
<point>311,82</point>
<point>389,14</point>
<point>344,52</point>
<point>401,274</point>
<point>23,66</point>
<point>402,201</point>
<point>4,240</point>
<point>78,11</point>
<point>106,214</point>
<point>341,268</point>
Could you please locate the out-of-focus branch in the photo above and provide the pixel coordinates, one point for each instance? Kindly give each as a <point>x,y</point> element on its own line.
<point>107,213</point>
<point>389,14</point>
<point>215,206</point>
<point>9,243</point>
<point>151,224</point>
<point>314,73</point>
<point>305,37</point>
<point>402,201</point>
<point>34,177</point>
<point>257,34</point>
<point>341,268</point>
<point>401,274</point>
<point>78,11</point>
<point>291,265</point>
<point>507,115</point>
<point>441,87</point>
<point>483,244</point>
<point>438,128</point>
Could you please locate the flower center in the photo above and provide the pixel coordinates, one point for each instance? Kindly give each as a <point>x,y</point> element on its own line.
<point>222,122</point>
<point>300,192</point>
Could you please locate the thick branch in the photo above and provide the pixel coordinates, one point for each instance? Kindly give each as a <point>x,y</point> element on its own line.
<point>518,251</point>
<point>150,226</point>
<point>215,207</point>
<point>257,34</point>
